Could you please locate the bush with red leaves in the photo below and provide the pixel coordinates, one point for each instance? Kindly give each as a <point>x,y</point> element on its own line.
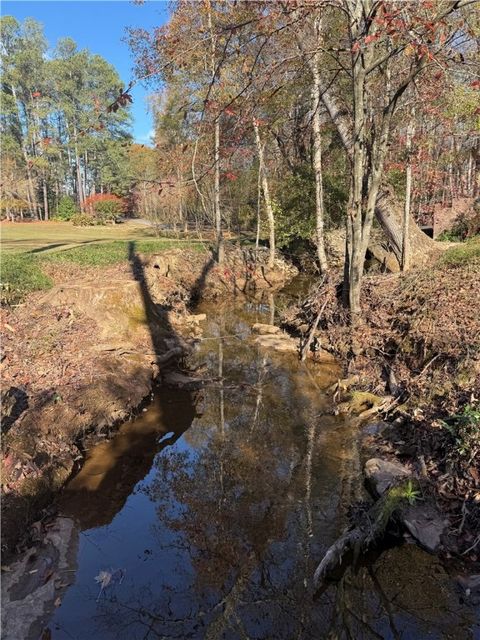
<point>104,206</point>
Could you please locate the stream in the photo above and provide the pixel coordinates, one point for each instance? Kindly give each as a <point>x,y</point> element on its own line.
<point>206,516</point>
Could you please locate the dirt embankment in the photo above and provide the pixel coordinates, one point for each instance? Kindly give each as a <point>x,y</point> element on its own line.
<point>81,358</point>
<point>418,345</point>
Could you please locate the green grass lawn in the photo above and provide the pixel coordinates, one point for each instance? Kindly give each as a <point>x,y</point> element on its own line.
<point>462,253</point>
<point>27,247</point>
<point>48,237</point>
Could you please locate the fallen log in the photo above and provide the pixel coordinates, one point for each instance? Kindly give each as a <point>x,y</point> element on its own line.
<point>353,543</point>
<point>398,504</point>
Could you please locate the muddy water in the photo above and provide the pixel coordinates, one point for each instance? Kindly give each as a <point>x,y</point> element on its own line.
<point>209,513</point>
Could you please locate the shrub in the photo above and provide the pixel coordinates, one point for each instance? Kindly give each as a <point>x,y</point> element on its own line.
<point>104,206</point>
<point>66,209</point>
<point>464,428</point>
<point>83,220</point>
<point>295,209</point>
<point>465,226</point>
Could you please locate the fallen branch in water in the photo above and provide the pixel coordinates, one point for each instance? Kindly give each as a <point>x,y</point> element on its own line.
<point>351,544</point>
<point>306,346</point>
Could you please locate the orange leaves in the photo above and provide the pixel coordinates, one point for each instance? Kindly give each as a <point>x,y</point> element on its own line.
<point>409,50</point>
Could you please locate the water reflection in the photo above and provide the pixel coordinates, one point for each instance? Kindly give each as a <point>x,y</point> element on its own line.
<point>220,530</point>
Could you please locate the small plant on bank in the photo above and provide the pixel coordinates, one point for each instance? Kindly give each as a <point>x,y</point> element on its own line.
<point>396,498</point>
<point>464,428</point>
<point>407,492</point>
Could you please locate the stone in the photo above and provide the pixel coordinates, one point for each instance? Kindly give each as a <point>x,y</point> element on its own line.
<point>375,428</point>
<point>425,524</point>
<point>265,329</point>
<point>470,583</point>
<point>37,579</point>
<point>381,475</point>
<point>179,380</point>
<point>196,318</point>
<point>279,342</point>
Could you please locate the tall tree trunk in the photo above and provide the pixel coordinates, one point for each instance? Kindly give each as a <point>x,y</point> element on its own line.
<point>317,154</point>
<point>45,200</point>
<point>354,219</point>
<point>216,181</point>
<point>266,195</point>
<point>316,91</point>
<point>476,169</point>
<point>85,170</point>
<point>216,196</point>
<point>259,208</point>
<point>408,194</point>
<point>79,179</point>
<point>469,187</point>
<point>30,187</point>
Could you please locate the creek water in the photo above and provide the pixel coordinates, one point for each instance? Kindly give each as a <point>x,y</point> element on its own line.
<point>208,514</point>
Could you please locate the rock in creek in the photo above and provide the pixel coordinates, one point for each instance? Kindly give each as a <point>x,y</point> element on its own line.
<point>36,582</point>
<point>382,475</point>
<point>425,524</point>
<point>421,519</point>
<point>277,342</point>
<point>265,329</point>
<point>195,318</point>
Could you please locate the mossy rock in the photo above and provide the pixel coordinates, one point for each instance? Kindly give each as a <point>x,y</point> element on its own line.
<point>358,402</point>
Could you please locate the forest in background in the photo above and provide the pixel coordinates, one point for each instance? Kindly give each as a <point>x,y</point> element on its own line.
<point>281,119</point>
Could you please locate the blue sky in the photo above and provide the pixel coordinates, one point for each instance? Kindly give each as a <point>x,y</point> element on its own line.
<point>98,25</point>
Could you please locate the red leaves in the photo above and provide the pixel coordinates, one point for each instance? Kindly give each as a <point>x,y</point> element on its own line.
<point>93,201</point>
<point>36,94</point>
<point>231,176</point>
<point>358,44</point>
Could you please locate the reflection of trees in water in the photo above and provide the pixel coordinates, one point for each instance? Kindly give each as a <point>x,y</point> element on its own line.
<point>233,500</point>
<point>236,511</point>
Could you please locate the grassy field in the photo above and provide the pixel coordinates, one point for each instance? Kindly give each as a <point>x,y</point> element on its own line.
<point>39,237</point>
<point>28,247</point>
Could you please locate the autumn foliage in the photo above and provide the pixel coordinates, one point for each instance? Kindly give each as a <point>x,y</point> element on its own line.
<point>104,205</point>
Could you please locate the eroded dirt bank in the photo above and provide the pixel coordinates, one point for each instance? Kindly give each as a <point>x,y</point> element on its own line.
<point>417,347</point>
<point>80,359</point>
